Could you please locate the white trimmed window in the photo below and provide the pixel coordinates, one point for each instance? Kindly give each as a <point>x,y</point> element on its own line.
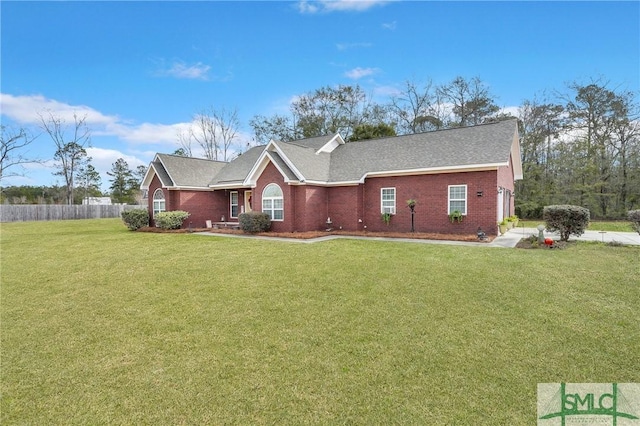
<point>458,199</point>
<point>159,204</point>
<point>273,202</point>
<point>233,201</point>
<point>388,200</point>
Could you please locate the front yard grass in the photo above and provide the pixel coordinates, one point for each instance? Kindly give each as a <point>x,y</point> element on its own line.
<point>101,325</point>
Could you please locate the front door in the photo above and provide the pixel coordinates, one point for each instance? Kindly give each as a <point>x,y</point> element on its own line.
<point>247,201</point>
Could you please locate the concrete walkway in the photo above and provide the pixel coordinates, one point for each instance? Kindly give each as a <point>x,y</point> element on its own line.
<point>508,240</point>
<point>511,238</point>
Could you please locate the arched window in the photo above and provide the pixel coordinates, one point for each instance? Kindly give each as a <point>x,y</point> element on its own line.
<point>272,202</point>
<point>158,201</point>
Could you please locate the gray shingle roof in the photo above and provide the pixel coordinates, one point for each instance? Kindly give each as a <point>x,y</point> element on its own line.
<point>466,147</point>
<point>190,172</point>
<point>315,143</point>
<point>165,180</point>
<point>313,166</point>
<point>236,171</point>
<point>282,165</point>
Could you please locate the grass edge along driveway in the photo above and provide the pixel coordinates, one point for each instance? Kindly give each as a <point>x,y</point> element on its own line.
<point>102,325</point>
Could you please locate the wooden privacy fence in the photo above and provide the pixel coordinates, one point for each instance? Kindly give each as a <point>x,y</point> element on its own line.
<point>30,212</point>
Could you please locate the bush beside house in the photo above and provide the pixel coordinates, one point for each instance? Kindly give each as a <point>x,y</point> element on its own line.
<point>135,219</point>
<point>170,220</point>
<point>567,220</point>
<point>253,222</point>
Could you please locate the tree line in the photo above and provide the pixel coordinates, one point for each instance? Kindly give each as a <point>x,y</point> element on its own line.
<point>579,144</point>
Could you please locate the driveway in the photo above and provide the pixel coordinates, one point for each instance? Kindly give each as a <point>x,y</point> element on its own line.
<point>511,238</point>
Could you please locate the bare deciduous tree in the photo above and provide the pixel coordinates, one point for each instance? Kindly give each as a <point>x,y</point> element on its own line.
<point>471,101</point>
<point>11,151</point>
<point>71,142</point>
<point>214,131</point>
<point>418,109</point>
<point>184,143</point>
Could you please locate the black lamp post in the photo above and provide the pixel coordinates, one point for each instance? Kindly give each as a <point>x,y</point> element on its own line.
<point>412,205</point>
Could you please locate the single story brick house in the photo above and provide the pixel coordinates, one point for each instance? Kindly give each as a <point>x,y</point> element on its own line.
<point>305,184</point>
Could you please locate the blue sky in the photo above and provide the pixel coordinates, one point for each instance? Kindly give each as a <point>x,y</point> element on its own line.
<point>141,70</point>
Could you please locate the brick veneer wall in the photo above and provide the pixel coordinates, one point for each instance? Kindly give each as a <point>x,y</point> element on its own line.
<point>358,207</point>
<point>271,175</point>
<point>202,205</point>
<point>311,209</point>
<point>431,210</point>
<point>153,186</point>
<point>345,207</point>
<point>351,208</point>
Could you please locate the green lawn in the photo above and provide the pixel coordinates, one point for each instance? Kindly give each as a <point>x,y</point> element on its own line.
<point>100,325</point>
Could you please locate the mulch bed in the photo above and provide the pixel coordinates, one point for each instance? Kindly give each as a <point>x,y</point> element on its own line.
<point>527,243</point>
<point>317,234</point>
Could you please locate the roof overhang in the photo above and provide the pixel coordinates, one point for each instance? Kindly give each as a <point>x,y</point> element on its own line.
<point>412,172</point>
<point>151,172</point>
<point>434,170</point>
<point>230,185</point>
<point>148,177</point>
<point>187,188</point>
<point>266,158</point>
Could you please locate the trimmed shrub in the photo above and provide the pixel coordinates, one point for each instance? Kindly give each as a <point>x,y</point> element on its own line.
<point>170,220</point>
<point>566,219</point>
<point>253,222</point>
<point>634,217</point>
<point>135,219</point>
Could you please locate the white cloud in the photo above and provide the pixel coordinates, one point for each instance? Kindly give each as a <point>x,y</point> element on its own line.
<point>25,110</point>
<point>358,73</point>
<point>102,158</point>
<point>148,137</point>
<point>179,69</point>
<point>148,133</point>
<point>306,7</point>
<point>311,7</point>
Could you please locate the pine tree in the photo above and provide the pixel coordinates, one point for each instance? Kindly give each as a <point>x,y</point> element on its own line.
<point>123,182</point>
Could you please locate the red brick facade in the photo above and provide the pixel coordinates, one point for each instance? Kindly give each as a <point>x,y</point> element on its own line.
<point>202,205</point>
<point>358,207</point>
<point>431,193</point>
